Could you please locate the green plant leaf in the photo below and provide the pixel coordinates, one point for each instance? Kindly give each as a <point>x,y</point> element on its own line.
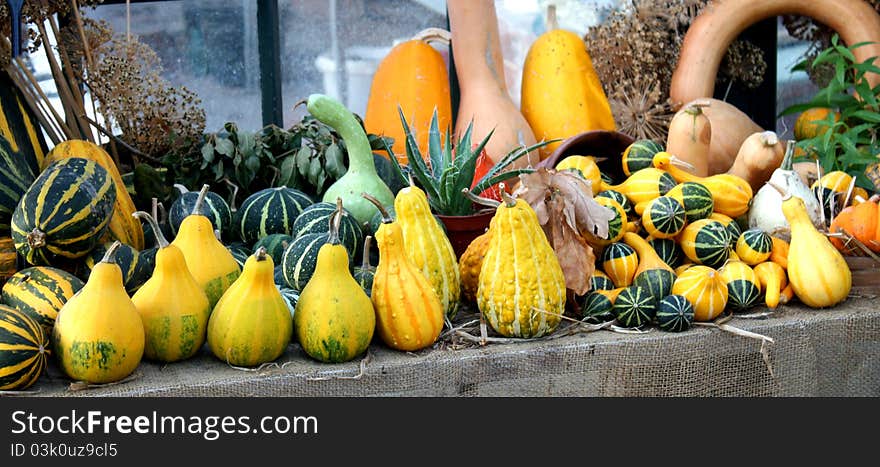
<point>287,176</point>
<point>435,151</point>
<point>224,146</point>
<point>503,176</point>
<point>303,159</point>
<point>334,161</point>
<point>416,164</point>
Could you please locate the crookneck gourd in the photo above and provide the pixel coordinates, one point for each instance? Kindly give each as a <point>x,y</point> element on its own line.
<point>521,290</point>
<point>427,246</point>
<point>409,314</point>
<point>98,335</point>
<point>172,304</point>
<point>211,263</point>
<point>251,323</point>
<point>334,318</point>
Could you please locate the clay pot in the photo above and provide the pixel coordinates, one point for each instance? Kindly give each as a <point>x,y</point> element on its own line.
<point>462,230</point>
<point>599,143</point>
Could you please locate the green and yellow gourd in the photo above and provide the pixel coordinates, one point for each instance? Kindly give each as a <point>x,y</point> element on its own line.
<point>600,281</point>
<point>172,304</point>
<point>634,307</point>
<point>731,194</point>
<point>705,289</point>
<point>644,185</point>
<point>268,211</point>
<point>214,207</point>
<point>365,272</point>
<point>427,246</point>
<point>409,314</point>
<point>754,246</point>
<point>667,249</point>
<point>705,242</point>
<point>211,263</point>
<point>743,285</point>
<point>135,271</point>
<point>586,167</point>
<point>16,175</point>
<point>64,213</point>
<point>619,262</point>
<point>39,292</point>
<point>251,324</point>
<point>663,217</point>
<point>275,244</point>
<point>316,218</point>
<point>24,349</point>
<point>522,289</point>
<point>639,155</point>
<point>617,225</point>
<point>653,275</point>
<point>696,199</point>
<point>597,306</point>
<point>674,313</point>
<point>334,318</point>
<point>620,198</point>
<point>98,335</point>
<point>730,224</point>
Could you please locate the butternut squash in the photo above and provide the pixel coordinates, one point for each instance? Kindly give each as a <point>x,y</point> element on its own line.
<point>409,315</point>
<point>732,127</point>
<point>690,132</point>
<point>484,97</point>
<point>522,288</point>
<point>561,95</point>
<point>411,76</point>
<point>758,156</point>
<point>172,304</point>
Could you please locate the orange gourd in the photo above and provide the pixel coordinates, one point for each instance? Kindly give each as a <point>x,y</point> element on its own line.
<point>861,222</point>
<point>412,76</point>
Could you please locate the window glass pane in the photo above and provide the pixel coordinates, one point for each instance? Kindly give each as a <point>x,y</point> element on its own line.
<point>209,46</point>
<point>318,35</point>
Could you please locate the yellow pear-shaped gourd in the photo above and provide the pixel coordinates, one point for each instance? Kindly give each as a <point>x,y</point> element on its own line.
<point>409,314</point>
<point>817,271</point>
<point>334,318</point>
<point>213,266</point>
<point>172,304</point>
<point>251,323</point>
<point>521,291</point>
<point>98,333</point>
<point>427,245</point>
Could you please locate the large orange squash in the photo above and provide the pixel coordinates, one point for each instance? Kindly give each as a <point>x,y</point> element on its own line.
<point>412,76</point>
<point>862,222</point>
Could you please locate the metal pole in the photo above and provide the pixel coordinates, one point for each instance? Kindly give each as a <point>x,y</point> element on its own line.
<point>270,62</point>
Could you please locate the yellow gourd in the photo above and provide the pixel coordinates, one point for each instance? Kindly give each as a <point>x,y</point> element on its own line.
<point>522,289</point>
<point>561,93</point>
<point>705,289</point>
<point>773,280</point>
<point>334,318</point>
<point>652,274</point>
<point>172,305</point>
<point>427,245</point>
<point>211,263</point>
<point>644,185</point>
<point>251,323</point>
<point>817,271</point>
<point>409,314</point>
<point>98,334</point>
<point>585,166</point>
<point>470,263</point>
<point>730,194</point>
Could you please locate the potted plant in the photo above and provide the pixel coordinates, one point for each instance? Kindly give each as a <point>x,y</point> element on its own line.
<point>450,168</point>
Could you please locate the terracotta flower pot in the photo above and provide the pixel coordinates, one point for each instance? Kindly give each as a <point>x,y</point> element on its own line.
<point>599,143</point>
<point>462,230</point>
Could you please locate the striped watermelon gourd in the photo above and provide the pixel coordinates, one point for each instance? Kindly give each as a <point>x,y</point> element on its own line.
<point>743,285</point>
<point>617,225</point>
<point>668,250</point>
<point>600,281</point>
<point>64,213</point>
<point>705,289</point>
<point>674,313</point>
<point>634,307</point>
<point>619,262</point>
<point>240,252</point>
<point>663,217</point>
<point>268,211</point>
<point>24,349</point>
<point>754,246</point>
<point>39,292</point>
<point>639,155</point>
<point>597,306</point>
<point>300,258</point>
<point>134,271</point>
<point>644,185</point>
<point>696,199</point>
<point>214,207</point>
<point>316,219</point>
<point>620,198</point>
<point>275,244</point>
<point>706,242</point>
<point>16,176</point>
<point>732,226</point>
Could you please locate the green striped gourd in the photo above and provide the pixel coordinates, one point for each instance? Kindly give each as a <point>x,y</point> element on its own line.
<point>365,272</point>
<point>667,249</point>
<point>634,307</point>
<point>663,217</point>
<point>268,211</point>
<point>214,207</point>
<point>639,155</point>
<point>696,199</point>
<point>275,244</point>
<point>616,226</point>
<point>754,246</point>
<point>16,176</point>
<point>24,349</point>
<point>674,313</point>
<point>135,271</point>
<point>620,198</point>
<point>600,281</point>
<point>706,242</point>
<point>653,275</point>
<point>39,292</point>
<point>732,226</point>
<point>743,285</point>
<point>239,251</point>
<point>619,262</point>
<point>644,185</point>
<point>299,259</point>
<point>316,219</point>
<point>704,288</point>
<point>597,306</point>
<point>291,297</point>
<point>428,247</point>
<point>64,213</point>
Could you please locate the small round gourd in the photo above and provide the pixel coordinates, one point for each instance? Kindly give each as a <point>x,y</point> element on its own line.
<point>743,285</point>
<point>754,246</point>
<point>586,167</point>
<point>24,349</point>
<point>639,155</point>
<point>619,262</point>
<point>316,219</point>
<point>620,198</point>
<point>674,313</point>
<point>365,272</point>
<point>696,199</point>
<point>732,226</point>
<point>705,289</point>
<point>214,207</point>
<point>616,226</point>
<point>705,242</point>
<point>298,261</point>
<point>268,211</point>
<point>597,306</point>
<point>39,292</point>
<point>600,281</point>
<point>663,217</point>
<point>668,250</point>
<point>134,270</point>
<point>634,307</point>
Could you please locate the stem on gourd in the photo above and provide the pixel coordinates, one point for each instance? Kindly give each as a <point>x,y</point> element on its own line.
<point>782,191</point>
<point>335,222</point>
<point>160,237</point>
<point>110,254</point>
<point>552,22</point>
<point>788,158</point>
<point>261,254</point>
<point>429,35</point>
<point>365,260</point>
<point>509,201</point>
<point>201,199</point>
<point>386,218</point>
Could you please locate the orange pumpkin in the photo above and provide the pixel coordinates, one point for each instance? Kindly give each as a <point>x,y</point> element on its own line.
<point>860,221</point>
<point>412,76</point>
